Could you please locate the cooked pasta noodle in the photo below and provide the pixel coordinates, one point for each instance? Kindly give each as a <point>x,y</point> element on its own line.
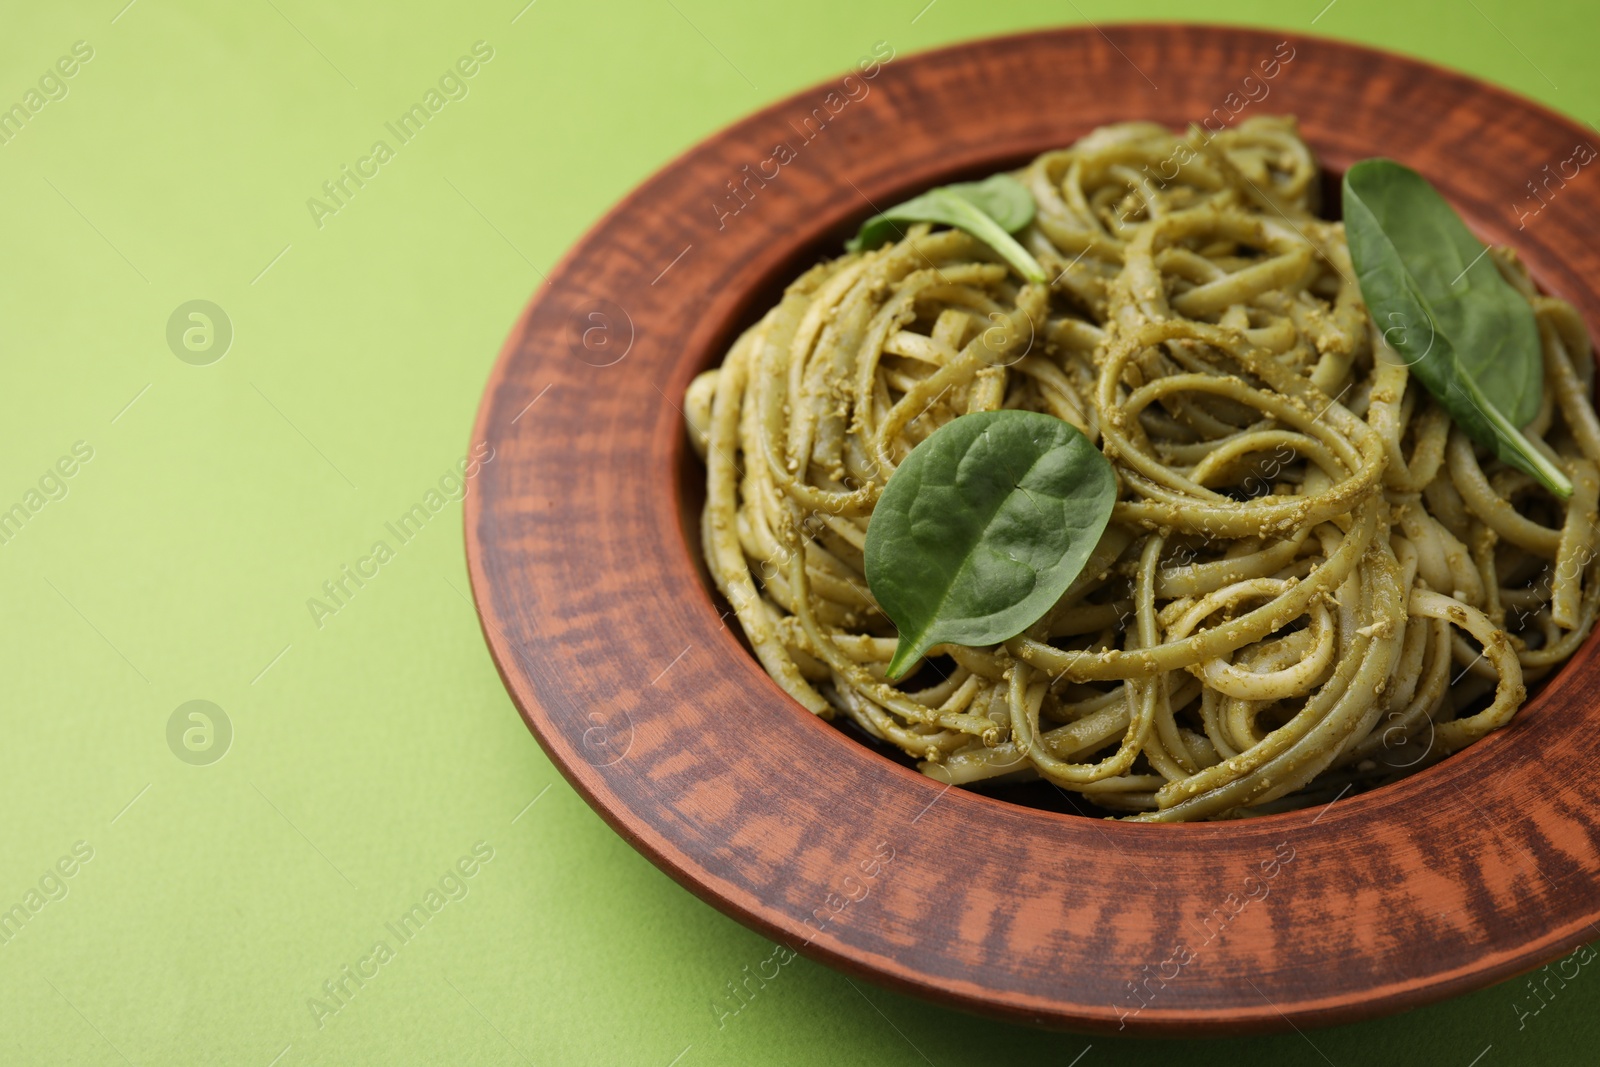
<point>1311,581</point>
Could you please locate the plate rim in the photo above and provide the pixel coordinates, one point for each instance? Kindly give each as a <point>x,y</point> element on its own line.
<point>752,911</point>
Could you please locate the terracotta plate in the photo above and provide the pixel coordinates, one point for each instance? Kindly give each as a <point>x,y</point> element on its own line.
<point>585,567</point>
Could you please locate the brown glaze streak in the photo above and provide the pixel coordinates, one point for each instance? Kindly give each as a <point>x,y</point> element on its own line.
<point>586,577</point>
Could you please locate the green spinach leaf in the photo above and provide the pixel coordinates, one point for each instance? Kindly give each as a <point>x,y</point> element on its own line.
<point>1441,303</point>
<point>990,210</point>
<point>983,527</point>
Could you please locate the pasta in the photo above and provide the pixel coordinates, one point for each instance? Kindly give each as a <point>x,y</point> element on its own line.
<point>1312,581</point>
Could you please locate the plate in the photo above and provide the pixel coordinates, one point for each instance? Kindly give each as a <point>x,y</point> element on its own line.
<point>583,548</point>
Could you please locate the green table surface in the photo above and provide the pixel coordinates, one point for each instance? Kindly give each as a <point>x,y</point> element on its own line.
<point>179,908</point>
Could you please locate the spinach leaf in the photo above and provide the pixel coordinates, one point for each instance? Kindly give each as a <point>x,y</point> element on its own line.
<point>1001,197</point>
<point>1464,332</point>
<point>990,210</point>
<point>983,527</point>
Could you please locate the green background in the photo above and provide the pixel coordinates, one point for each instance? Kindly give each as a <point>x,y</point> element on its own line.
<point>373,751</point>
